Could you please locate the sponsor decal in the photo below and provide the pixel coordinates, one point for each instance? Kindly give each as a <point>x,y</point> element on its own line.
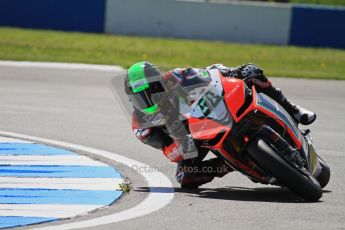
<point>142,133</point>
<point>180,176</point>
<point>230,93</point>
<point>174,154</point>
<point>204,73</point>
<point>139,83</point>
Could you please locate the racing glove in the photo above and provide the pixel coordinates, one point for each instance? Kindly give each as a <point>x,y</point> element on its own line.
<point>181,149</point>
<point>173,153</point>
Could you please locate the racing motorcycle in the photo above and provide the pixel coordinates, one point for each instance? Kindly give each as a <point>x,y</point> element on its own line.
<point>257,137</point>
<point>248,129</point>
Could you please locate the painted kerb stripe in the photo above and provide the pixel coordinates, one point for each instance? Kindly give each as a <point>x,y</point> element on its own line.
<point>161,189</point>
<point>40,183</point>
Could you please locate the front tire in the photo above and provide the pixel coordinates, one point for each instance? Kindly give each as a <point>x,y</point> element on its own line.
<point>265,156</point>
<point>325,174</point>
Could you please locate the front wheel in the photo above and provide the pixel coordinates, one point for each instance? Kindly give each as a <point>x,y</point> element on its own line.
<point>325,174</point>
<point>265,156</point>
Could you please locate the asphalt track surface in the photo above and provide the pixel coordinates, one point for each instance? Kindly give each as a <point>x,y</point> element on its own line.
<point>78,106</point>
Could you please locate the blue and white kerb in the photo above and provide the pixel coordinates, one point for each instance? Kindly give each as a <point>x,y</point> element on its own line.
<point>40,183</point>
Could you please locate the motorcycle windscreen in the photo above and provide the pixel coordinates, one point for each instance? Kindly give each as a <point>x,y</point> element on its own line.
<point>210,114</point>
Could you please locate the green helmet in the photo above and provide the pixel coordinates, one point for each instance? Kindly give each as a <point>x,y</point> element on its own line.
<point>142,81</point>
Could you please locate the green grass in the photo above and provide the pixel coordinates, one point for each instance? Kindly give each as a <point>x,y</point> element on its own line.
<point>34,45</point>
<point>322,2</point>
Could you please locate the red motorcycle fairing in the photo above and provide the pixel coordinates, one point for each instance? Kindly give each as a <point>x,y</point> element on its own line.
<point>199,132</point>
<point>248,169</point>
<point>234,97</point>
<point>232,93</point>
<point>205,129</point>
<point>290,127</point>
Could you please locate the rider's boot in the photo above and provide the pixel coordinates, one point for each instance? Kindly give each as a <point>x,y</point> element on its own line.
<point>205,172</point>
<point>193,182</point>
<point>298,113</point>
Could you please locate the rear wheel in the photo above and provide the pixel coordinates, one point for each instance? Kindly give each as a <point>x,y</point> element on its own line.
<point>301,183</point>
<point>325,174</point>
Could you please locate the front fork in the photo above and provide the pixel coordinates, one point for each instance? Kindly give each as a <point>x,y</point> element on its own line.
<point>315,167</point>
<point>305,158</point>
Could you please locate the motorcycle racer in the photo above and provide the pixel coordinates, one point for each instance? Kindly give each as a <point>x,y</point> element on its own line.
<point>176,89</point>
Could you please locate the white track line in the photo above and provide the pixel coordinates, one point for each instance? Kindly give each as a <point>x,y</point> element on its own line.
<point>65,66</point>
<point>61,183</point>
<point>48,160</point>
<point>154,201</point>
<point>45,210</point>
<point>11,140</point>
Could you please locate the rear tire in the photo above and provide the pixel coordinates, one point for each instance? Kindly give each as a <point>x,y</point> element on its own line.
<point>325,174</point>
<point>305,186</point>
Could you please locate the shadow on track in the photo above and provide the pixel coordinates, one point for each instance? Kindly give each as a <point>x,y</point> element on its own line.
<point>264,194</point>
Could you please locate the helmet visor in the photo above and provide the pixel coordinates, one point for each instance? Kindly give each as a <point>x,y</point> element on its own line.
<point>144,100</point>
<point>141,100</point>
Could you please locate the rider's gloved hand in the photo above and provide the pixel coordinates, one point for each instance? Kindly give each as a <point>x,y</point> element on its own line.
<point>173,153</point>
<point>181,149</point>
<point>249,71</point>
